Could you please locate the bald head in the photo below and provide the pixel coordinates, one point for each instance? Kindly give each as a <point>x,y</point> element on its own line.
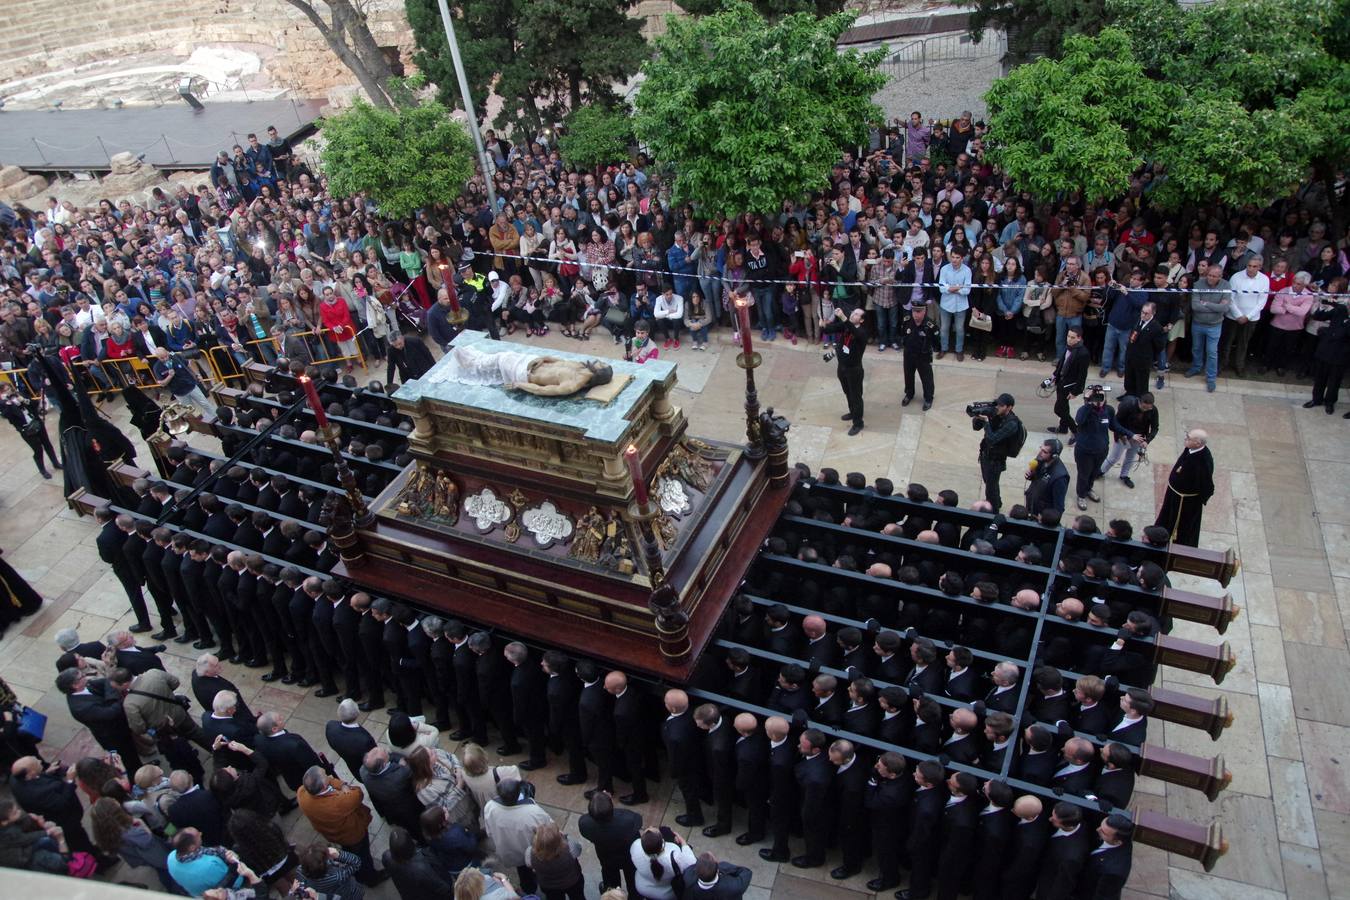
<point>745,724</point>
<point>776,727</point>
<point>1079,750</point>
<point>1070,608</point>
<point>677,702</point>
<point>1027,599</point>
<point>879,570</point>
<point>813,627</point>
<point>964,720</point>
<point>26,767</point>
<point>929,536</point>
<point>1028,807</point>
<point>616,682</point>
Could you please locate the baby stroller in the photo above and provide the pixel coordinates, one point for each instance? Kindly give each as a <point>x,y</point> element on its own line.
<point>407,309</point>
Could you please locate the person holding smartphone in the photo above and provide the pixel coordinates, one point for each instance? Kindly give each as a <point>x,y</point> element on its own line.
<point>659,855</point>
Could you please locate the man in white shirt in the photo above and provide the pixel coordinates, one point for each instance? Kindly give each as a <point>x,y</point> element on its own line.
<point>669,315</point>
<point>953,300</point>
<point>1250,289</point>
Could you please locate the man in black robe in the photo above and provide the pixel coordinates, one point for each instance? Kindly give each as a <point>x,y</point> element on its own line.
<point>1189,487</point>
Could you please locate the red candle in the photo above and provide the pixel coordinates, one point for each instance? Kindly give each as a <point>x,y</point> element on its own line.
<point>315,404</point>
<point>743,317</point>
<point>450,291</point>
<point>630,456</point>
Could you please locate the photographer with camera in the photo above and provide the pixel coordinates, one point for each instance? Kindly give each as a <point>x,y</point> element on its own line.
<point>850,342</point>
<point>1140,416</point>
<point>1096,421</point>
<point>1004,435</point>
<point>1069,377</point>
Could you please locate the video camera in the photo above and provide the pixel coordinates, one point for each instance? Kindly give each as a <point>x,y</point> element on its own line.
<point>1093,390</point>
<point>984,408</point>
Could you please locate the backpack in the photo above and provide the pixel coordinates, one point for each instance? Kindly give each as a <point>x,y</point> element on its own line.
<point>1013,448</point>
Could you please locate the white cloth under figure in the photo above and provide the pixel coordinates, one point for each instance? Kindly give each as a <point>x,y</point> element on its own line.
<point>471,366</point>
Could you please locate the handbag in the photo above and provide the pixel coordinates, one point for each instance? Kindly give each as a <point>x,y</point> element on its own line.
<point>616,319</point>
<point>981,323</point>
<point>32,723</point>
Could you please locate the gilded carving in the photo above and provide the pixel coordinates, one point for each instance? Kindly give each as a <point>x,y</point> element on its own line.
<point>429,494</point>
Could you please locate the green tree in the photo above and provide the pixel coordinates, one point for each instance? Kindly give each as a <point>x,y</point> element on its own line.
<point>403,159</point>
<point>1082,122</point>
<point>770,9</point>
<point>542,57</point>
<point>1036,27</point>
<point>1235,99</point>
<point>597,136</point>
<point>750,112</point>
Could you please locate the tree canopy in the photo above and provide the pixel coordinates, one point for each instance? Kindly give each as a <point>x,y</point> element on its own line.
<point>1036,27</point>
<point>749,112</point>
<point>542,57</point>
<point>1235,99</point>
<point>596,136</point>
<point>770,9</point>
<point>403,159</point>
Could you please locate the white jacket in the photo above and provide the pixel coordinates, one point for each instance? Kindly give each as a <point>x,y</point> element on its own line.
<point>671,855</point>
<point>668,309</point>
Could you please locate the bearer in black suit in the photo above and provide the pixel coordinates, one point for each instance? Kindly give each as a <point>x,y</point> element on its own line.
<point>719,762</point>
<point>1030,831</point>
<point>930,797</point>
<point>630,734</point>
<point>849,788</point>
<point>1066,854</point>
<point>494,690</point>
<point>928,676</point>
<point>814,777</point>
<point>959,818</point>
<point>111,541</point>
<point>1075,774</point>
<point>564,726</point>
<point>1004,694</point>
<point>1036,762</point>
<point>613,832</point>
<point>962,684</point>
<point>529,703</point>
<point>829,702</point>
<point>684,755</point>
<point>890,791</point>
<point>1108,866</point>
<point>782,788</point>
<point>595,718</point>
<point>897,716</point>
<point>752,777</point>
<point>993,835</point>
<point>1115,782</point>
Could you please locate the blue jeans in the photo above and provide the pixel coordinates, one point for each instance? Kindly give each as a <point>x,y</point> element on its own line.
<point>712,293</point>
<point>948,320</point>
<point>1205,345</point>
<point>700,335</point>
<point>1113,351</point>
<point>888,319</point>
<point>765,301</point>
<point>1062,326</point>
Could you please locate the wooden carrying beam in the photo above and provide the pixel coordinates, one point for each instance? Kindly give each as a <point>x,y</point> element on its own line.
<point>1220,565</point>
<point>1210,716</point>
<point>1205,843</point>
<point>1193,656</point>
<point>1202,608</point>
<point>1209,776</point>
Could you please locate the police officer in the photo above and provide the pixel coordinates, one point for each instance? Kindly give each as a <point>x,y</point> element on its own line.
<point>918,336</point>
<point>1001,430</point>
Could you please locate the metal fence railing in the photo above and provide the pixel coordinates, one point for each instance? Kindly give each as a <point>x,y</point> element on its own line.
<point>916,57</point>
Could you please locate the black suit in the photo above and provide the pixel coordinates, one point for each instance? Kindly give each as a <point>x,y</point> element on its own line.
<point>1065,856</point>
<point>1146,342</point>
<point>1037,768</point>
<point>824,649</point>
<point>200,809</point>
<point>925,827</point>
<point>752,781</point>
<point>350,743</point>
<point>191,605</point>
<point>205,688</point>
<point>138,661</point>
<point>1105,873</point>
<point>964,750</point>
<point>850,791</point>
<point>100,710</point>
<point>346,626</point>
<point>814,778</point>
<point>236,728</point>
<point>964,687</point>
<point>958,840</point>
<point>111,541</point>
<point>993,834</point>
<point>467,703</point>
<point>1134,733</point>
<point>370,635</point>
<point>1003,701</point>
<point>613,840</point>
<point>782,795</point>
<point>529,706</point>
<point>887,801</point>
<point>1115,786</point>
<point>896,729</point>
<point>147,558</point>
<point>595,715</point>
<point>289,755</point>
<point>719,762</point>
<point>494,693</point>
<point>630,732</point>
<point>745,686</point>
<point>1024,856</point>
<point>929,681</point>
<point>324,641</point>
<point>684,755</point>
<point>1078,783</point>
<point>1071,372</point>
<point>829,711</point>
<point>391,791</point>
<point>788,702</point>
<point>861,720</point>
<point>1096,719</point>
<point>56,800</point>
<point>564,724</point>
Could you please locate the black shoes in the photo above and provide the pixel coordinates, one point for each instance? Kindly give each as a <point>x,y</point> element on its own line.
<point>806,862</point>
<point>713,831</point>
<point>1310,404</point>
<point>876,885</point>
<point>509,750</point>
<point>684,820</point>
<point>165,635</point>
<point>855,431</point>
<point>1127,481</point>
<point>745,840</point>
<point>767,854</point>
<point>325,692</point>
<point>906,401</point>
<point>273,676</point>
<point>567,778</point>
<point>927,405</point>
<point>839,873</point>
<point>634,799</point>
<point>138,628</point>
<point>528,766</point>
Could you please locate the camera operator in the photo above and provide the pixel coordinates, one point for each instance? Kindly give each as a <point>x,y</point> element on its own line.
<point>1003,436</point>
<point>1140,416</point>
<point>1071,370</point>
<point>1095,420</point>
<point>851,341</point>
<point>173,372</point>
<point>1047,479</point>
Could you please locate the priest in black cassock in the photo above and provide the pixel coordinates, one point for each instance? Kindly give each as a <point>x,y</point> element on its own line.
<point>1189,487</point>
